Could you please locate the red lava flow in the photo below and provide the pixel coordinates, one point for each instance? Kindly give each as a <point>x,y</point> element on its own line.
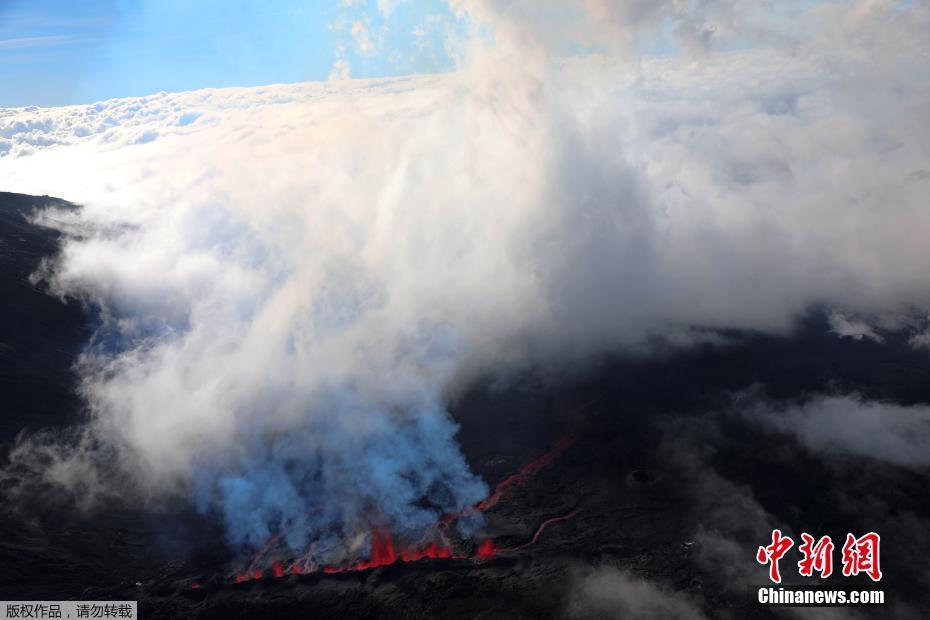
<point>384,552</point>
<point>539,531</point>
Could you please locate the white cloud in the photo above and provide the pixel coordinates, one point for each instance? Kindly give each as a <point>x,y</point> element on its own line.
<point>28,43</point>
<point>362,37</point>
<point>920,340</point>
<point>386,7</point>
<point>341,70</point>
<point>847,327</point>
<point>850,425</point>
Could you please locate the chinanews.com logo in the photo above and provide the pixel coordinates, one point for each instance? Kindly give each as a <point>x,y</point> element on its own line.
<point>859,555</point>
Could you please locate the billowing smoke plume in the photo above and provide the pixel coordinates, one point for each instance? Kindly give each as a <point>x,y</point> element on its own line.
<point>293,281</point>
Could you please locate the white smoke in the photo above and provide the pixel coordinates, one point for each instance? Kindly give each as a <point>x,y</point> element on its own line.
<point>608,592</point>
<point>294,280</point>
<point>850,425</point>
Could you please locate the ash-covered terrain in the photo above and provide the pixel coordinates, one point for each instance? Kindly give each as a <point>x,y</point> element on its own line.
<point>629,487</point>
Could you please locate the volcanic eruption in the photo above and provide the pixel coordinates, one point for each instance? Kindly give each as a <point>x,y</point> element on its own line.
<point>566,327</point>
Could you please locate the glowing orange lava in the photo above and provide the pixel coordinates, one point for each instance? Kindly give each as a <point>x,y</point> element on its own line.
<point>384,552</point>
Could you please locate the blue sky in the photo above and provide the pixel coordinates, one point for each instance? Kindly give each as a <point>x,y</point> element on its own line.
<point>58,52</point>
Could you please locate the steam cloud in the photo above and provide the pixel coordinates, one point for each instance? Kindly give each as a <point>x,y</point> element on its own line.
<point>294,281</point>
<point>848,425</point>
<point>611,593</point>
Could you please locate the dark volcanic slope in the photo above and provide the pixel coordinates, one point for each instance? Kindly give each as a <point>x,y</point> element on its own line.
<point>671,491</point>
<point>39,335</point>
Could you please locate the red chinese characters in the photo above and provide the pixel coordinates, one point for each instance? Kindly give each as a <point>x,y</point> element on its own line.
<point>773,553</point>
<point>860,555</point>
<point>817,557</point>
